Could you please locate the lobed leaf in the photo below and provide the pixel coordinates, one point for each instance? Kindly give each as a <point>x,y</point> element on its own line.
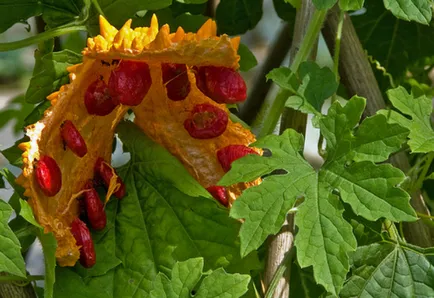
<point>411,10</point>
<point>387,269</point>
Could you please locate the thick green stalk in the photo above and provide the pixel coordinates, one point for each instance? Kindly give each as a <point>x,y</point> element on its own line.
<point>9,46</point>
<point>276,109</point>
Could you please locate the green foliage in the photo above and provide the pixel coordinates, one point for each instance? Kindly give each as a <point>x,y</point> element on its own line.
<point>173,221</point>
<point>351,4</point>
<point>324,4</point>
<point>186,275</point>
<point>238,16</point>
<point>419,108</point>
<point>247,59</point>
<point>411,10</point>
<point>349,170</point>
<point>312,86</point>
<point>397,45</point>
<point>11,260</point>
<point>389,269</point>
<point>50,73</point>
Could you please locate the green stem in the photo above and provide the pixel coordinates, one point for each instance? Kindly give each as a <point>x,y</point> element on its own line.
<point>422,176</point>
<point>276,109</point>
<point>279,273</point>
<point>10,278</point>
<point>9,46</point>
<point>392,230</point>
<point>338,49</point>
<point>97,7</point>
<point>425,216</point>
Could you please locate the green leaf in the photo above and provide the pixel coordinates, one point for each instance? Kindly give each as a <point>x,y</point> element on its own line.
<point>303,283</point>
<point>376,139</point>
<point>13,153</point>
<point>11,260</point>
<point>238,16</point>
<point>37,113</point>
<point>324,4</point>
<point>27,213</point>
<point>286,11</point>
<point>185,275</point>
<point>393,52</point>
<point>324,237</point>
<point>421,137</point>
<point>190,22</point>
<point>247,59</point>
<point>411,10</point>
<point>389,270</point>
<point>172,222</point>
<point>351,4</point>
<point>24,231</point>
<point>313,86</point>
<point>7,174</point>
<point>50,74</point>
<point>54,13</point>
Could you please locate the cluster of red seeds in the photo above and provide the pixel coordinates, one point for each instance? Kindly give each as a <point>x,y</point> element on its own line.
<point>128,84</point>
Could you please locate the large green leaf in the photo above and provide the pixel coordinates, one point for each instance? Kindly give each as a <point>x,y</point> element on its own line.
<point>238,16</point>
<point>50,73</point>
<point>324,4</point>
<point>421,137</point>
<point>390,270</point>
<point>411,10</point>
<point>11,260</point>
<point>409,46</point>
<point>186,275</point>
<point>164,218</point>
<point>324,238</point>
<point>54,13</point>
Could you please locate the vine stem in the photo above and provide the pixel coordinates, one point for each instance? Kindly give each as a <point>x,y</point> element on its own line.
<point>425,169</point>
<point>271,119</point>
<point>29,278</point>
<point>338,49</point>
<point>97,7</point>
<point>279,273</point>
<point>9,46</point>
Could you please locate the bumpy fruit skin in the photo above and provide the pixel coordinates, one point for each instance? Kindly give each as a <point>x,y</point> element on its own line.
<point>206,122</point>
<point>219,193</point>
<point>160,117</point>
<point>105,172</point>
<point>98,100</point>
<point>82,237</point>
<point>221,84</point>
<point>130,82</point>
<point>229,154</point>
<point>175,78</point>
<point>73,139</point>
<point>94,208</point>
<point>48,176</point>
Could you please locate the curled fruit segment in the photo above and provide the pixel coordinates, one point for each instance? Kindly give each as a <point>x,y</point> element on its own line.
<point>72,138</point>
<point>229,154</point>
<point>94,208</point>
<point>48,176</point>
<point>221,84</point>
<point>219,193</point>
<point>82,237</point>
<point>97,99</point>
<point>206,121</point>
<point>175,78</point>
<point>105,172</point>
<point>130,82</point>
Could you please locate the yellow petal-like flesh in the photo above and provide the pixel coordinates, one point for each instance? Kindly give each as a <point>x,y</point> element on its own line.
<point>159,117</point>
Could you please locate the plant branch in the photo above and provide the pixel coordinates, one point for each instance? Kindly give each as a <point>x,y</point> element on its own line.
<point>9,46</point>
<point>358,77</point>
<point>305,38</point>
<point>97,7</point>
<point>260,87</point>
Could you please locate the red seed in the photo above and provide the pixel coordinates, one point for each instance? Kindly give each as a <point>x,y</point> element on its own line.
<point>221,84</point>
<point>176,79</point>
<point>206,121</point>
<point>219,193</point>
<point>97,99</point>
<point>130,82</point>
<point>230,153</point>
<point>82,237</point>
<point>72,138</point>
<point>48,176</point>
<point>94,208</point>
<point>105,172</point>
